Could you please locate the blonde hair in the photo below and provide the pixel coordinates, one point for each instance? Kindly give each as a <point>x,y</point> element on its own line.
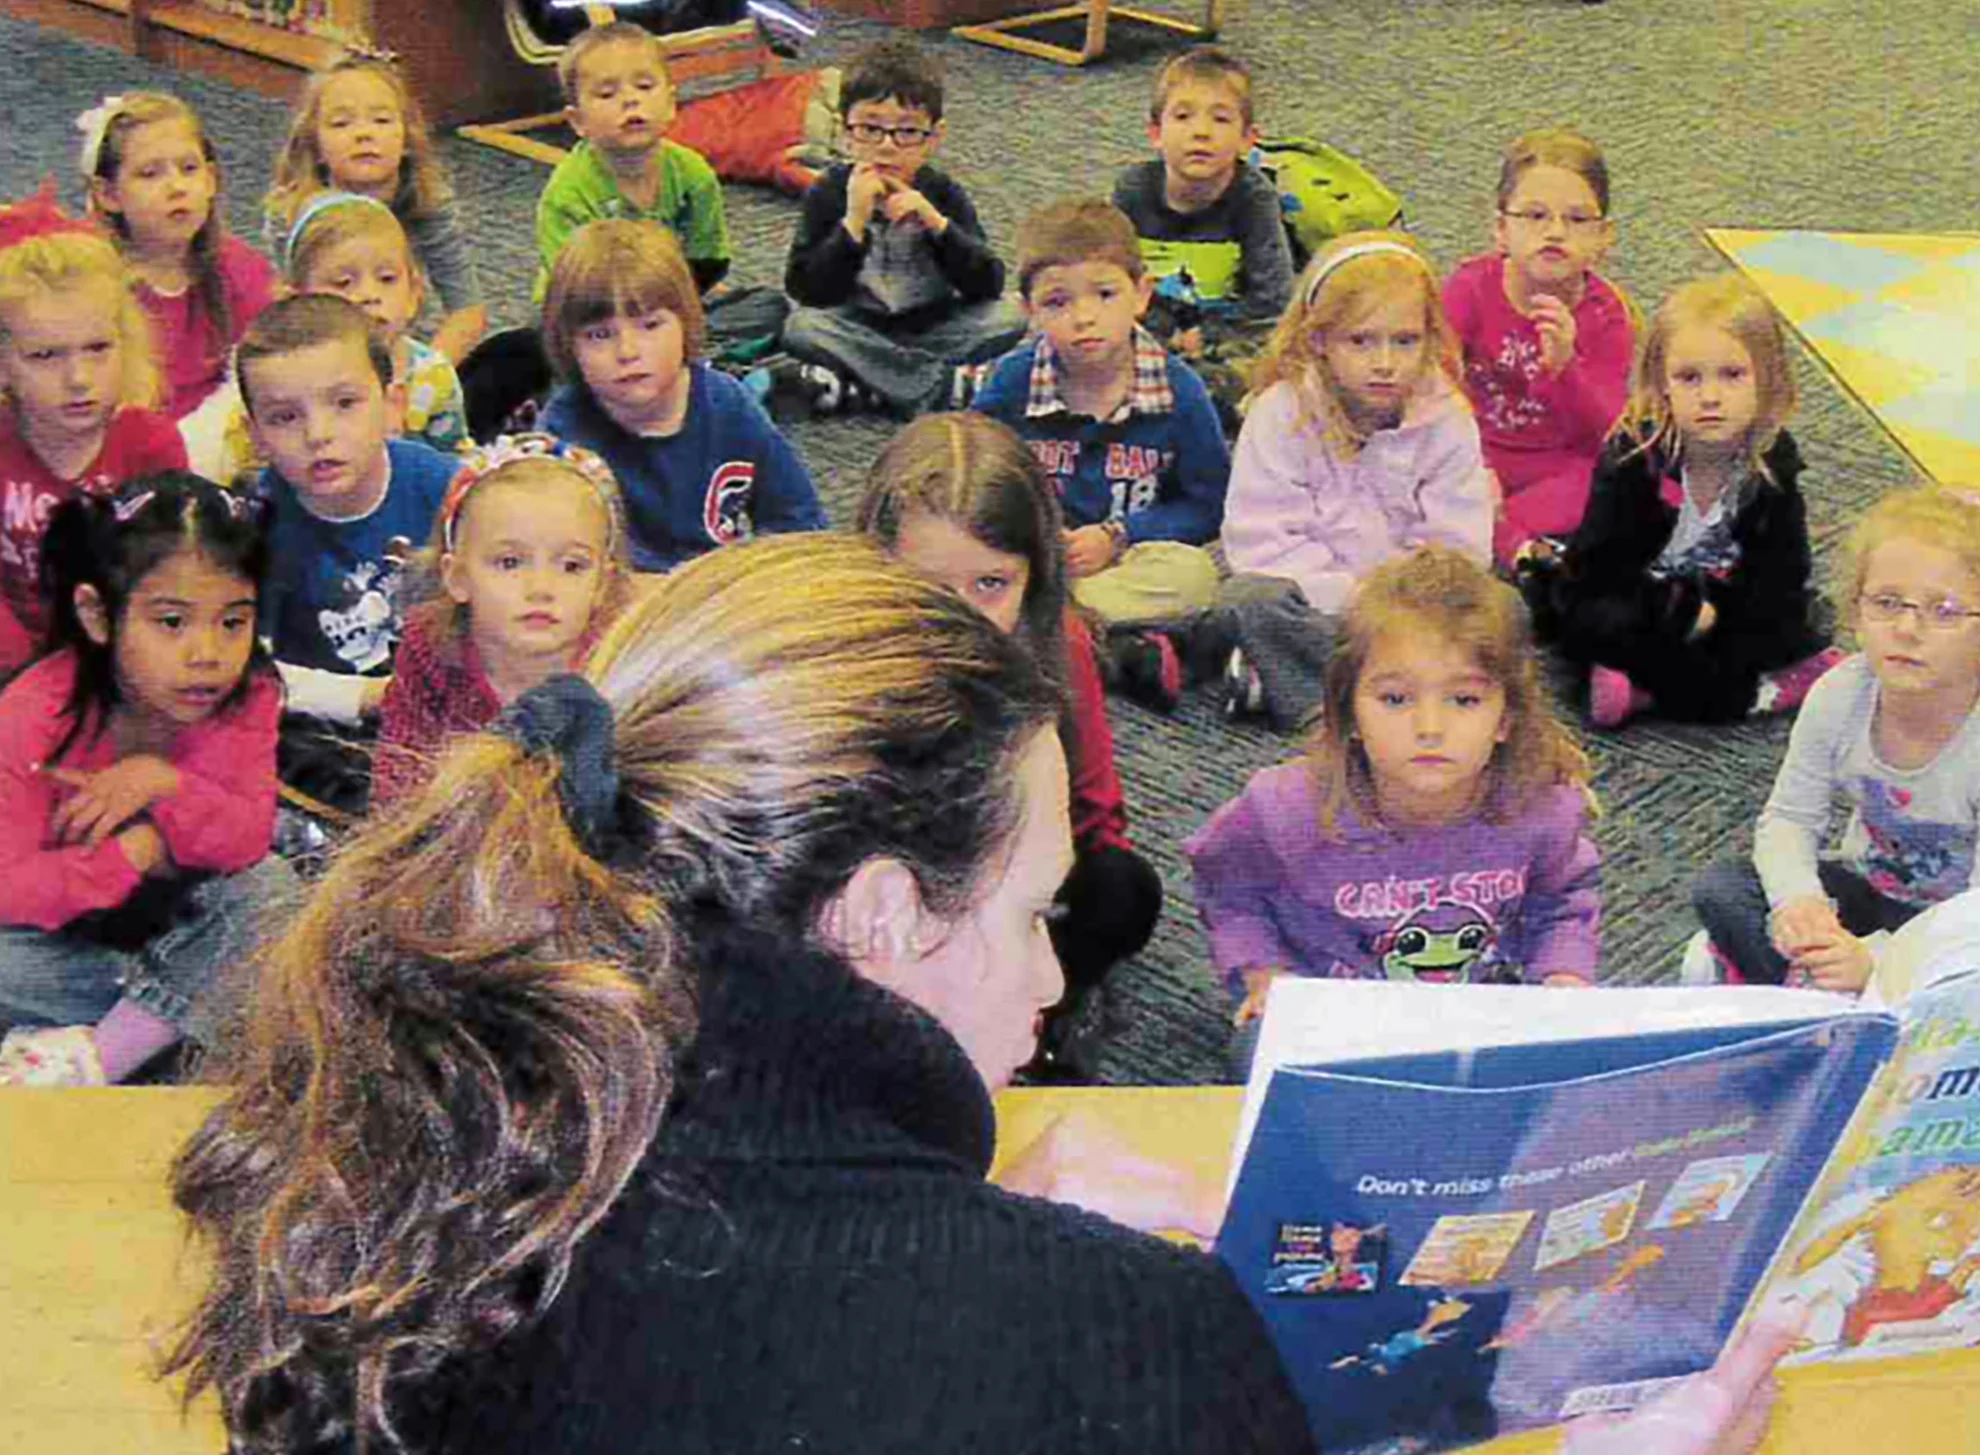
<point>446,620</point>
<point>1439,593</point>
<point>1734,307</point>
<point>612,268</point>
<point>462,1045</point>
<point>61,262</point>
<point>1207,65</point>
<point>1944,516</point>
<point>1080,230</point>
<point>1331,294</point>
<point>144,108</point>
<point>300,171</point>
<point>596,37</point>
<point>341,222</point>
<point>1554,146</point>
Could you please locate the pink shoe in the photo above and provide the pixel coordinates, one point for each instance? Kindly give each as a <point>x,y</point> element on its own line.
<point>1787,689</point>
<point>1612,698</point>
<point>50,1056</point>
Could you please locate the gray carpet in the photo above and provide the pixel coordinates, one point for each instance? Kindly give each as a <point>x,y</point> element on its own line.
<point>1774,113</point>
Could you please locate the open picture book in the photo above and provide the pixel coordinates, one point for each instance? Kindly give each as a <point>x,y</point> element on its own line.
<point>1468,1211</point>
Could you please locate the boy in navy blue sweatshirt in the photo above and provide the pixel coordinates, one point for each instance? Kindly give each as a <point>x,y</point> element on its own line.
<point>1124,428</point>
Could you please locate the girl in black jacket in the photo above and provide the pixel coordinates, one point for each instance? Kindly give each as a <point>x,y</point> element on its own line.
<point>1686,585</point>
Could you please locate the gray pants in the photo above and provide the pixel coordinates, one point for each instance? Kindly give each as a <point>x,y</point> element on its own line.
<point>191,973</point>
<point>911,371</point>
<point>1287,641</point>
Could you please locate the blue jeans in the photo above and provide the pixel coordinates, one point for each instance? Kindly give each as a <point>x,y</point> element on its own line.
<point>1733,908</point>
<point>192,973</point>
<point>909,370</point>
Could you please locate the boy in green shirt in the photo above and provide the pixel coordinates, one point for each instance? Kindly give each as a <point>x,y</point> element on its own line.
<point>619,100</point>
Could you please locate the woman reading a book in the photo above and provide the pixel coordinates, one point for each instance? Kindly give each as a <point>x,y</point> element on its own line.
<point>630,1089</point>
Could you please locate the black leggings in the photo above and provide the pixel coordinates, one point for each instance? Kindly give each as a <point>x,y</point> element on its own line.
<point>1111,899</point>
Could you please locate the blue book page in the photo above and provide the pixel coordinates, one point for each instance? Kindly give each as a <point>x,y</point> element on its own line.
<point>1887,1254</point>
<point>1451,1246</point>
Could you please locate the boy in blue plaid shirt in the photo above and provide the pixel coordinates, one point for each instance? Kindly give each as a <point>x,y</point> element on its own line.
<point>1124,428</point>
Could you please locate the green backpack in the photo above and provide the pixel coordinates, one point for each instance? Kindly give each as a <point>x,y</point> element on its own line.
<point>1323,192</point>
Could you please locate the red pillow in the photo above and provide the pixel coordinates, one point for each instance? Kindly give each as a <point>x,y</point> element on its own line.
<point>748,133</point>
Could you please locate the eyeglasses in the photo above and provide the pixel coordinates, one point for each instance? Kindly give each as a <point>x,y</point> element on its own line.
<point>1541,217</point>
<point>1945,615</point>
<point>904,136</point>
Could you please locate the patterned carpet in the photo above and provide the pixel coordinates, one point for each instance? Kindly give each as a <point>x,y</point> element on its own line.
<point>1787,114</point>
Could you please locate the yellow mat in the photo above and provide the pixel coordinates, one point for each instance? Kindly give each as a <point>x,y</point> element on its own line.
<point>1895,317</point>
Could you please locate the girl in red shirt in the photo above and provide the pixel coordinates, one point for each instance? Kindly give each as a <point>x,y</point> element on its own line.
<point>137,784</point>
<point>960,498</point>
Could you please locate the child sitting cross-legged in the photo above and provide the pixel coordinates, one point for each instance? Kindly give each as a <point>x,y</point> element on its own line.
<point>526,567</point>
<point>1211,228</point>
<point>893,279</point>
<point>620,101</point>
<point>1436,829</point>
<point>1686,586</point>
<point>698,461</point>
<point>347,505</point>
<point>1124,430</point>
<point>137,784</point>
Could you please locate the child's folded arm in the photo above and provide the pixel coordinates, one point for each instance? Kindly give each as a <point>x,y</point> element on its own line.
<point>47,886</point>
<point>963,252</point>
<point>223,815</point>
<point>1588,396</point>
<point>339,696</point>
<point>1270,518</point>
<point>1456,497</point>
<point>824,264</point>
<point>1789,833</point>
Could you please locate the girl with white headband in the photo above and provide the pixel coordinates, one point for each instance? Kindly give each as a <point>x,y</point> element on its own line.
<point>1358,447</point>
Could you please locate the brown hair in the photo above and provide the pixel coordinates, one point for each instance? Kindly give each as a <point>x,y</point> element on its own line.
<point>1439,592</point>
<point>143,108</point>
<point>596,37</point>
<point>1208,65</point>
<point>1733,306</point>
<point>1938,515</point>
<point>618,267</point>
<point>1079,230</point>
<point>300,172</point>
<point>1555,146</point>
<point>60,262</point>
<point>1333,294</point>
<point>463,1045</point>
<point>977,474</point>
<point>302,321</point>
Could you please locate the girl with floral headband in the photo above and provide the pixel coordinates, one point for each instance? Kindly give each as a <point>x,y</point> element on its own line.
<point>527,566</point>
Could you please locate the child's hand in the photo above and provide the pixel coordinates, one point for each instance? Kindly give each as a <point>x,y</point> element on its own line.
<point>1567,982</point>
<point>105,801</point>
<point>1089,549</point>
<point>1843,964</point>
<point>903,206</point>
<point>1257,985</point>
<point>1803,925</point>
<point>145,847</point>
<point>1708,616</point>
<point>1081,1160</point>
<point>864,189</point>
<point>1555,321</point>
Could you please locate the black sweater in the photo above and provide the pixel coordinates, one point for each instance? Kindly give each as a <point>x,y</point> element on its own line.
<point>810,1260</point>
<point>1602,604</point>
<point>824,265</point>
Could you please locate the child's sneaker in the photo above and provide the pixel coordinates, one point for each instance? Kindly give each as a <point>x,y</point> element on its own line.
<point>1788,688</point>
<point>1612,698</point>
<point>50,1056</point>
<point>1244,690</point>
<point>793,390</point>
<point>1149,670</point>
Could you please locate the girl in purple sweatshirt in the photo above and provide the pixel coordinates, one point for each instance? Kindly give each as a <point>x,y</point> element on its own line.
<point>1436,828</point>
<point>1358,446</point>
